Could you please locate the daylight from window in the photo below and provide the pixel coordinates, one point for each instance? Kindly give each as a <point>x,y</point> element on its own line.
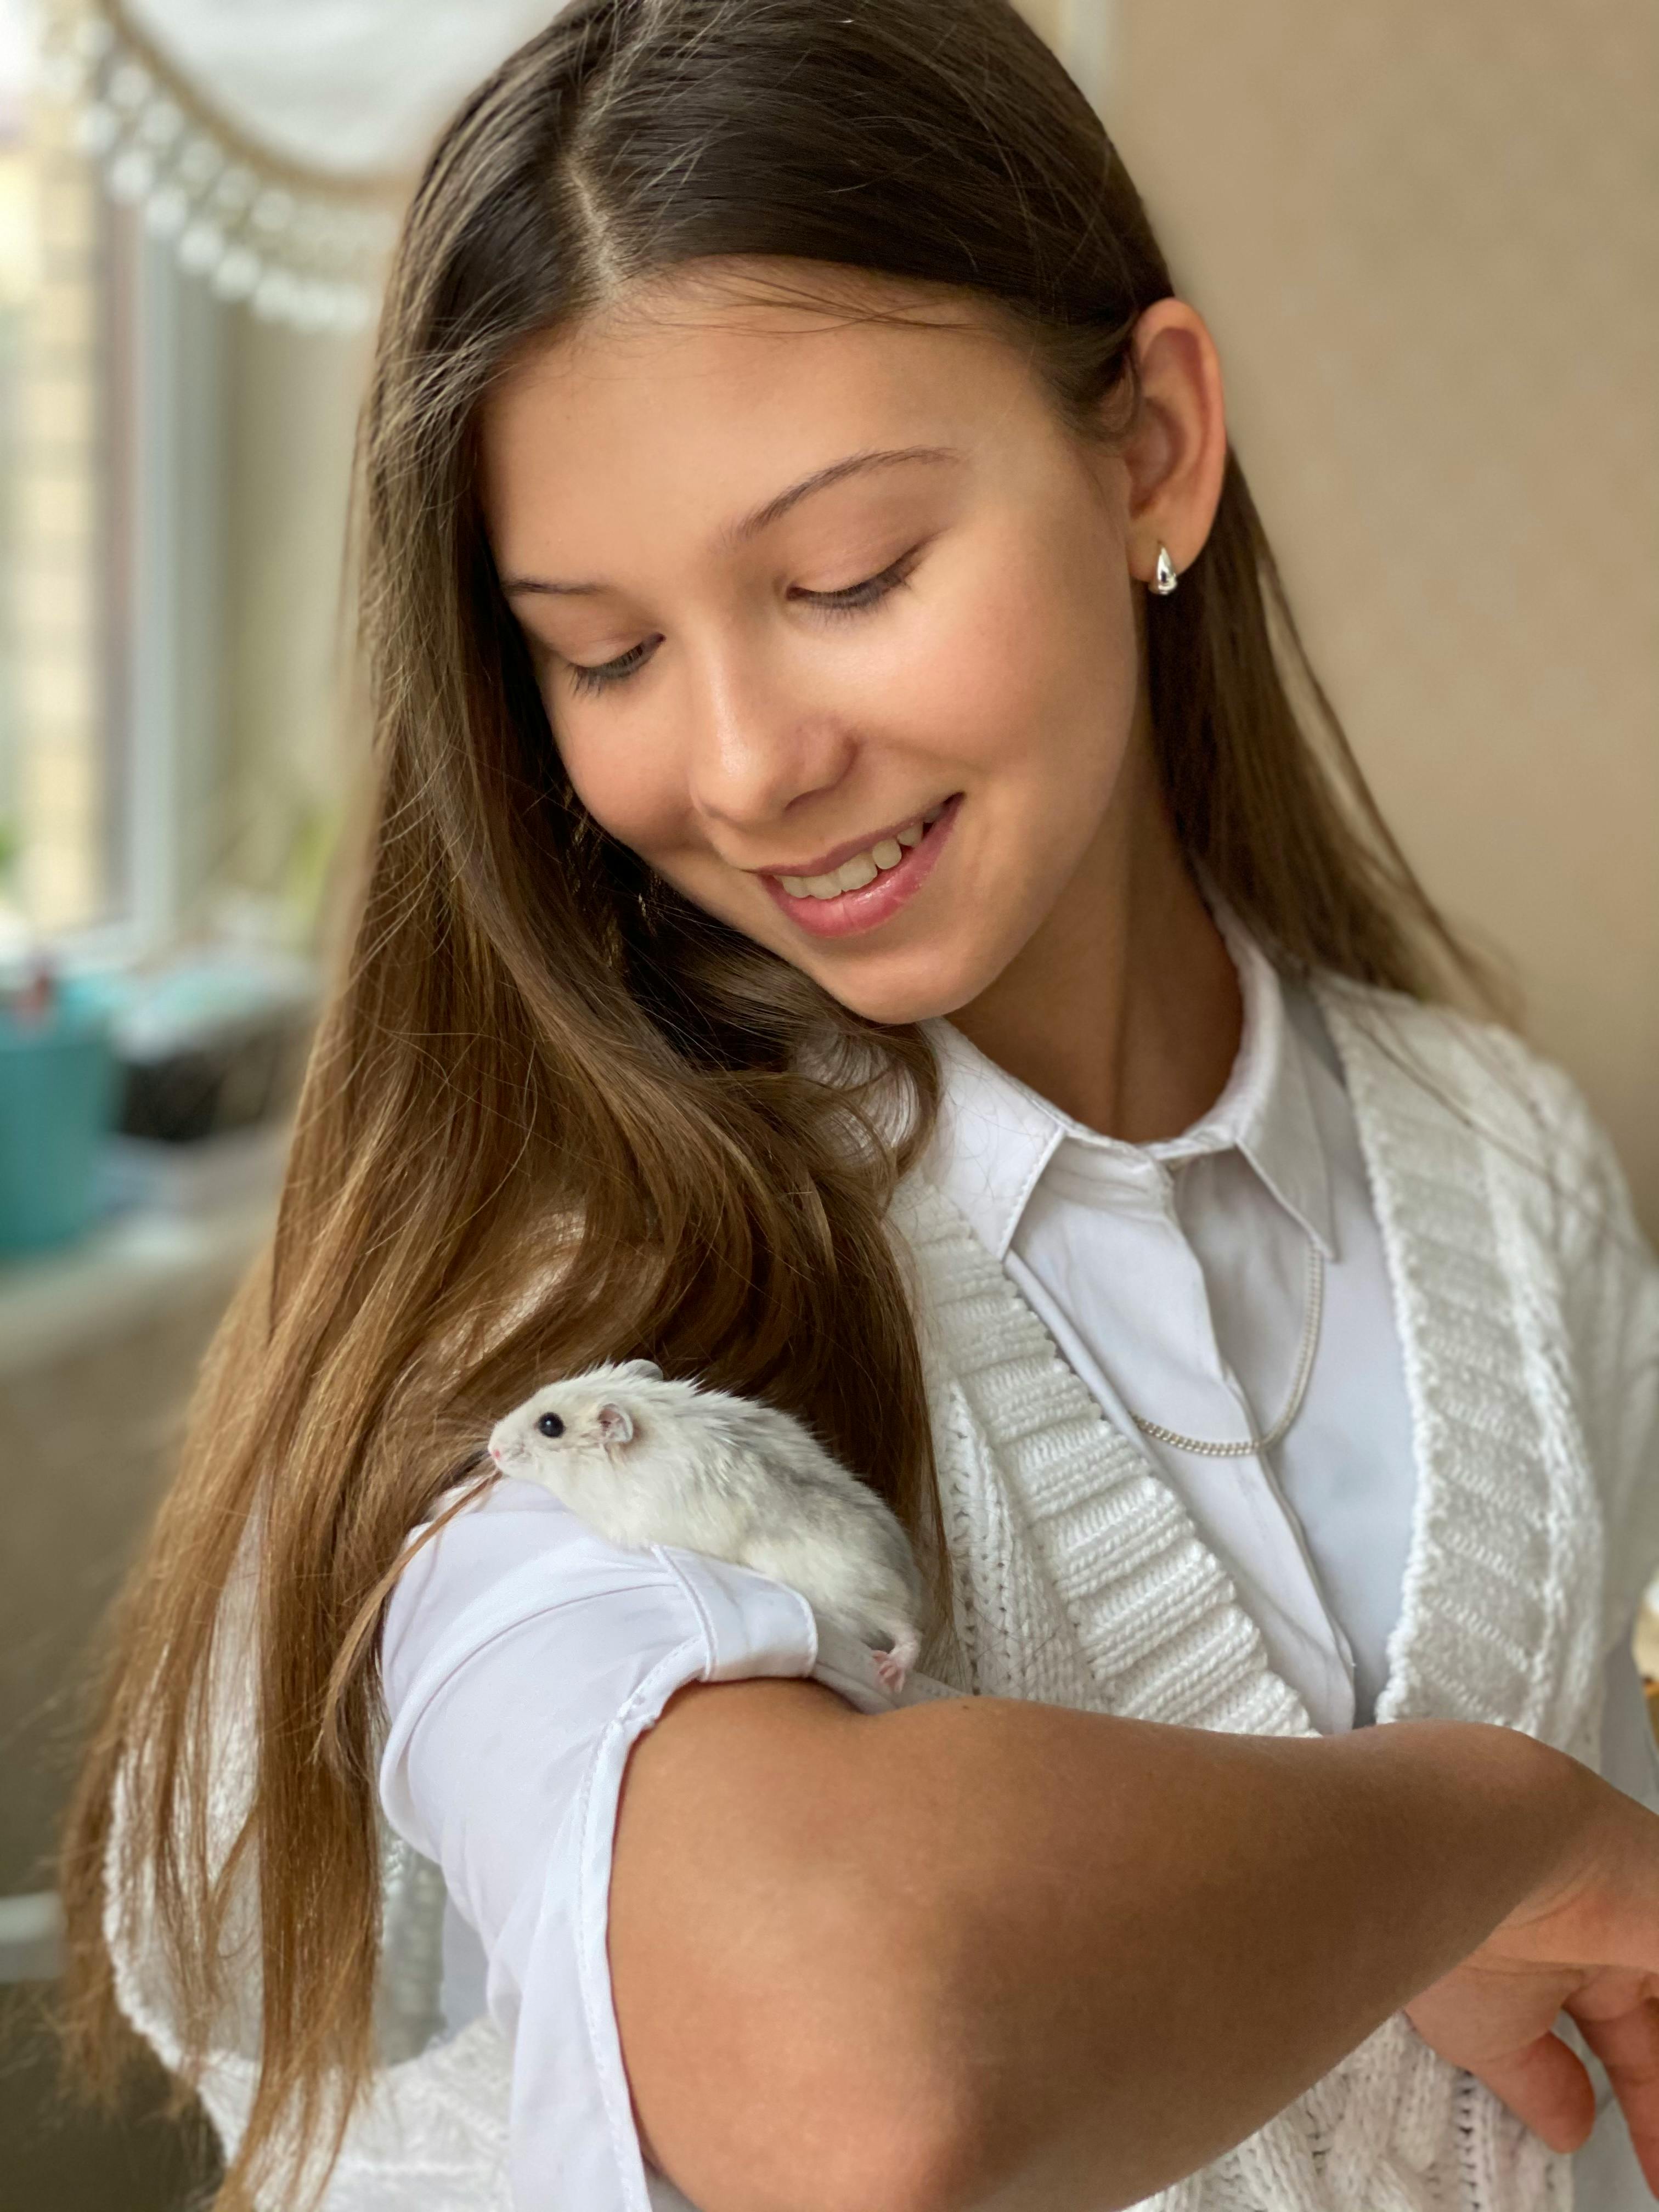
<point>57,797</point>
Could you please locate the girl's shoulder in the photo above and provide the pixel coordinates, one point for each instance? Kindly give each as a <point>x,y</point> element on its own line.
<point>1450,1074</point>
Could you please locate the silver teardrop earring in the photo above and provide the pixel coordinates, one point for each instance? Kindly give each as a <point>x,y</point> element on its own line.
<point>1165,580</point>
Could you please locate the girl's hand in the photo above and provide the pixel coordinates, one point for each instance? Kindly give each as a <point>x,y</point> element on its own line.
<point>1585,1942</point>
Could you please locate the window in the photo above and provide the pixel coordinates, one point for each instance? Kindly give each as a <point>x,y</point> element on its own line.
<point>60,589</point>
<point>173,472</point>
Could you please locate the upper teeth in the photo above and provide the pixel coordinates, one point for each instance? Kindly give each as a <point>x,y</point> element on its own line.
<point>863,867</point>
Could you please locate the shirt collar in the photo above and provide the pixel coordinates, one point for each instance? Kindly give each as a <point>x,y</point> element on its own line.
<point>996,1135</point>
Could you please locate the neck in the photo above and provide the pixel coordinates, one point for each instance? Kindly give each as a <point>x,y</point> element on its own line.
<point>1124,1009</point>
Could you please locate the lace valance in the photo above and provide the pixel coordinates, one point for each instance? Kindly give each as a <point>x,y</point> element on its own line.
<point>273,141</point>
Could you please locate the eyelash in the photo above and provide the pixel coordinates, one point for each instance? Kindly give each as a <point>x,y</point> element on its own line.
<point>856,599</point>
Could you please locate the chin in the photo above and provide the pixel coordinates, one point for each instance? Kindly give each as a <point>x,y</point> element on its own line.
<point>914,991</point>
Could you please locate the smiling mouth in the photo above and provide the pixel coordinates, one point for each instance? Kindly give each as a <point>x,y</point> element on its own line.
<point>863,866</point>
<point>867,888</point>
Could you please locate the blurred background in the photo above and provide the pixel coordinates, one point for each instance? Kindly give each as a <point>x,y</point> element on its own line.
<point>1426,239</point>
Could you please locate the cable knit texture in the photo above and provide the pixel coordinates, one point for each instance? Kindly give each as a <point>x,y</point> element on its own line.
<point>1525,1299</point>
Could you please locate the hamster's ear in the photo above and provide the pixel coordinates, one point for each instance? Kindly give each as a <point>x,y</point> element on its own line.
<point>615,1424</point>
<point>648,1370</point>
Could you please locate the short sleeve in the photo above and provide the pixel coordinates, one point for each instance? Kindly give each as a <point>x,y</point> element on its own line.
<point>523,1656</point>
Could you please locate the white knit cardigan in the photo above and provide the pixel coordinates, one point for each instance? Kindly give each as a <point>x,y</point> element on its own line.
<point>1528,1313</point>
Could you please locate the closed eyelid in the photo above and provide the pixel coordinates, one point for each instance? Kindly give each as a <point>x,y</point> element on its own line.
<point>602,676</point>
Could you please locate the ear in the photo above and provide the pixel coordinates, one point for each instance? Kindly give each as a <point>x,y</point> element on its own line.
<point>1176,458</point>
<point>648,1370</point>
<point>615,1424</point>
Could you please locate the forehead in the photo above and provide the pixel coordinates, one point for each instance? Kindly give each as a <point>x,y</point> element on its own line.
<point>689,401</point>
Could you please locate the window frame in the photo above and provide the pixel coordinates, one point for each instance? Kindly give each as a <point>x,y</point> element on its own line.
<point>163,339</point>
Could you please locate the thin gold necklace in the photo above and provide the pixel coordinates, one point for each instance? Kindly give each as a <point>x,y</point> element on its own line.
<point>1310,1325</point>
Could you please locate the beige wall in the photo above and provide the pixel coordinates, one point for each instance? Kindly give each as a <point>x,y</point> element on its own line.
<point>1424,238</point>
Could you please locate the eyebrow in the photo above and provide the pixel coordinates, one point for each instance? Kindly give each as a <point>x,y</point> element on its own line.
<point>761,517</point>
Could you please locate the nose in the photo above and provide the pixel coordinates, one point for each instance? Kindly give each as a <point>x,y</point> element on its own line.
<point>760,748</point>
<point>496,1454</point>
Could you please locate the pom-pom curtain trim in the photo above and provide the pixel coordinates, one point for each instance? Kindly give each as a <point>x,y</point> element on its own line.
<point>274,141</point>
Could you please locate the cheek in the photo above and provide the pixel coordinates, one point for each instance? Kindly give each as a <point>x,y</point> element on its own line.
<point>1033,675</point>
<point>629,776</point>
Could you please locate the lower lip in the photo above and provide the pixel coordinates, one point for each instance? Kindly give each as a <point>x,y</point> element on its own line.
<point>855,912</point>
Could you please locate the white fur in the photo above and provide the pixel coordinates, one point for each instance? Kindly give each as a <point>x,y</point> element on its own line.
<point>649,1461</point>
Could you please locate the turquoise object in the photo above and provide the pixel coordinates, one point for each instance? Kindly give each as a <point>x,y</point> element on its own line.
<point>58,1099</point>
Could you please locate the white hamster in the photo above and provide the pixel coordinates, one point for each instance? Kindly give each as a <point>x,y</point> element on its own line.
<point>644,1462</point>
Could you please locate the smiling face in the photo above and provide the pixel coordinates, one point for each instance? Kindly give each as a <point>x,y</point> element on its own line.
<point>834,620</point>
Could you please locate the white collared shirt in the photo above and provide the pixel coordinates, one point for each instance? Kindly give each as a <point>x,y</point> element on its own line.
<point>1174,1278</point>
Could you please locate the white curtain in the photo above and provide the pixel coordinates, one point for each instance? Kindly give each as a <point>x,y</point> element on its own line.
<point>273,139</point>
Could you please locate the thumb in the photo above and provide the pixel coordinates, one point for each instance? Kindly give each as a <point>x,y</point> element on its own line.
<point>1545,2084</point>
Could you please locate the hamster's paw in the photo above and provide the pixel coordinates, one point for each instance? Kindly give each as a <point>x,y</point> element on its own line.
<point>892,1667</point>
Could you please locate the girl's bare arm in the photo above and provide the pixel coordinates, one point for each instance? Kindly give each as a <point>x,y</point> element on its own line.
<point>985,1955</point>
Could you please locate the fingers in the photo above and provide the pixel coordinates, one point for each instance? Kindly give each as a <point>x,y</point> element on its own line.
<point>1546,2085</point>
<point>1627,2044</point>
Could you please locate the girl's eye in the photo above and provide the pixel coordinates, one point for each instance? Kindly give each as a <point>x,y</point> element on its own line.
<point>856,596</point>
<point>854,599</point>
<point>608,671</point>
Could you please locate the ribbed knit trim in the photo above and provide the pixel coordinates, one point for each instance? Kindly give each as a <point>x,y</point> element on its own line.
<point>1086,1531</point>
<point>1498,1621</point>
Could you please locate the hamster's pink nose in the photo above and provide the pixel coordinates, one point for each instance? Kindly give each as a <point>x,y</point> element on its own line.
<point>496,1454</point>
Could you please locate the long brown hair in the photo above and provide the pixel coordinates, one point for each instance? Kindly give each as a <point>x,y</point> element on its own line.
<point>552,1114</point>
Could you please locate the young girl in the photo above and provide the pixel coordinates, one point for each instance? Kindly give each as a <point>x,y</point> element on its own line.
<point>852,913</point>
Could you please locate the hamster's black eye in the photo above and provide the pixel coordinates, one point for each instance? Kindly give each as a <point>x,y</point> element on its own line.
<point>551,1426</point>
